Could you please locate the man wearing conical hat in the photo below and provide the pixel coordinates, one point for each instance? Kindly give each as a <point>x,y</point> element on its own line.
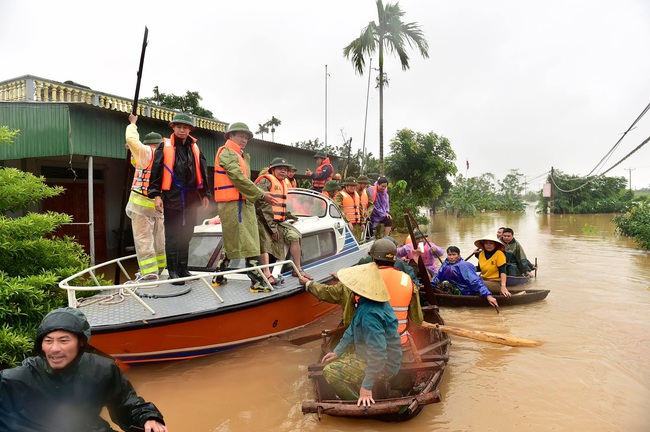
<point>348,201</point>
<point>148,225</point>
<point>370,349</point>
<point>235,194</point>
<point>179,185</point>
<point>273,227</point>
<point>324,172</point>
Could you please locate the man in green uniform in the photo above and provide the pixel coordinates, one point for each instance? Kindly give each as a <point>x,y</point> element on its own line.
<point>235,194</point>
<point>274,230</point>
<point>370,350</point>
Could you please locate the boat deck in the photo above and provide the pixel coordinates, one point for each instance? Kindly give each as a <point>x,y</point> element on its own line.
<point>116,307</point>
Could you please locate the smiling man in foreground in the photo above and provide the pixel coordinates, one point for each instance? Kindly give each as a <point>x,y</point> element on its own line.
<point>64,388</point>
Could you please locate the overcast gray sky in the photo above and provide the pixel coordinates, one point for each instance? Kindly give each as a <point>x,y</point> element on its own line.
<point>512,84</point>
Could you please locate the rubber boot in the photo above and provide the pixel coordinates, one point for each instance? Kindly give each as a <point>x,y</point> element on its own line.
<point>257,283</point>
<point>182,265</point>
<point>172,267</point>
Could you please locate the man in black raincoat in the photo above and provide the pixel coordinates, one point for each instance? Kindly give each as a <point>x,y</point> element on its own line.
<point>64,388</point>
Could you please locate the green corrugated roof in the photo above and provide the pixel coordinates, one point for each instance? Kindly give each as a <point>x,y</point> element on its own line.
<point>60,129</point>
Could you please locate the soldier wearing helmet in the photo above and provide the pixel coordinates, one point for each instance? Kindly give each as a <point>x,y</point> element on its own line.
<point>179,185</point>
<point>403,292</point>
<point>148,224</point>
<point>235,194</point>
<point>275,232</point>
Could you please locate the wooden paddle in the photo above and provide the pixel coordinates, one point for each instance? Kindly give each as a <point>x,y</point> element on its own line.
<point>485,336</point>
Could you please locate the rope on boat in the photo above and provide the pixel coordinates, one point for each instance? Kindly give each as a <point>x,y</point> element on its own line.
<point>157,296</point>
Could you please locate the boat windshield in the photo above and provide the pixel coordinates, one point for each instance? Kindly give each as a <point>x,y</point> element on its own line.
<point>306,205</point>
<point>203,251</point>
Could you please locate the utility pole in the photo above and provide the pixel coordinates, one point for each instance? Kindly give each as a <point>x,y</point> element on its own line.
<point>326,75</point>
<point>629,171</point>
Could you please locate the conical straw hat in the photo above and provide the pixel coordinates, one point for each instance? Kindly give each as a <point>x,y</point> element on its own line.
<point>498,243</point>
<point>366,281</point>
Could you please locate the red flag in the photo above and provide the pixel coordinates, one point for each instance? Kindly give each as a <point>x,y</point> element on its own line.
<point>467,162</point>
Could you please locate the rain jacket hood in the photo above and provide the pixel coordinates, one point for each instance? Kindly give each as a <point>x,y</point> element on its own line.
<point>67,319</point>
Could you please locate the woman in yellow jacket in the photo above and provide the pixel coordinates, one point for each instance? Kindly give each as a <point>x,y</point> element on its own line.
<point>492,261</point>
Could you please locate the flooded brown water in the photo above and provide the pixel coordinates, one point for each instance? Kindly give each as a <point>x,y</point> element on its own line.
<point>593,373</point>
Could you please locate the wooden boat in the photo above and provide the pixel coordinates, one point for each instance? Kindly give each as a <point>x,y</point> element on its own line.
<point>519,297</point>
<point>158,321</point>
<point>494,285</point>
<point>418,382</point>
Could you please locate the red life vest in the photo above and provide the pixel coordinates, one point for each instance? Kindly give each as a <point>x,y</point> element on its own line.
<point>320,184</point>
<point>169,157</point>
<point>143,175</point>
<point>400,288</point>
<point>351,207</point>
<point>278,191</point>
<point>224,190</point>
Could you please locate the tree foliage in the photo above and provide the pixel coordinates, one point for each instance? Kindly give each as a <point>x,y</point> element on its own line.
<point>424,161</point>
<point>600,194</point>
<point>189,103</point>
<point>485,193</point>
<point>388,34</point>
<point>636,223</point>
<point>32,262</point>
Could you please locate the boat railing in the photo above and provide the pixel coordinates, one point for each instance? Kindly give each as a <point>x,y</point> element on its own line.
<point>129,289</point>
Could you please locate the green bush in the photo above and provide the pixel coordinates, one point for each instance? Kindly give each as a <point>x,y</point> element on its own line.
<point>32,262</point>
<point>636,223</point>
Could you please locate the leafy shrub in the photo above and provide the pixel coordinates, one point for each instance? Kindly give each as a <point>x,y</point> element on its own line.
<point>636,223</point>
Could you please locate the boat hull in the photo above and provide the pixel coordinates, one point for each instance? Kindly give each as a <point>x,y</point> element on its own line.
<point>519,297</point>
<point>195,335</point>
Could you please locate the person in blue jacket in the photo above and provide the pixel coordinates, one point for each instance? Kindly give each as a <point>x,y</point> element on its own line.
<point>457,273</point>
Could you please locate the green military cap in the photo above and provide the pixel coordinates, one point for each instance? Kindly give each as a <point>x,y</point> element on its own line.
<point>279,162</point>
<point>363,179</point>
<point>182,118</point>
<point>350,181</point>
<point>152,138</point>
<point>320,155</point>
<point>238,127</point>
<point>331,186</point>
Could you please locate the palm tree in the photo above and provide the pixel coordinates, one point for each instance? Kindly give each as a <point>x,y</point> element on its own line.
<point>389,33</point>
<point>262,129</point>
<point>273,123</point>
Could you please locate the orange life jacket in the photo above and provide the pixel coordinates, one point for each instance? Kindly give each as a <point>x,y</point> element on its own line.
<point>278,191</point>
<point>400,288</point>
<point>351,207</point>
<point>224,190</point>
<point>363,197</point>
<point>291,183</point>
<point>143,175</point>
<point>374,194</point>
<point>320,184</point>
<point>169,157</point>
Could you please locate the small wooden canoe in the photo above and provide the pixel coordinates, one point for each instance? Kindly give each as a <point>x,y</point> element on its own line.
<point>519,297</point>
<point>415,385</point>
<point>494,285</point>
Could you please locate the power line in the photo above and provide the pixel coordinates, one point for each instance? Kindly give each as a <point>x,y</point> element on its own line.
<point>602,174</point>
